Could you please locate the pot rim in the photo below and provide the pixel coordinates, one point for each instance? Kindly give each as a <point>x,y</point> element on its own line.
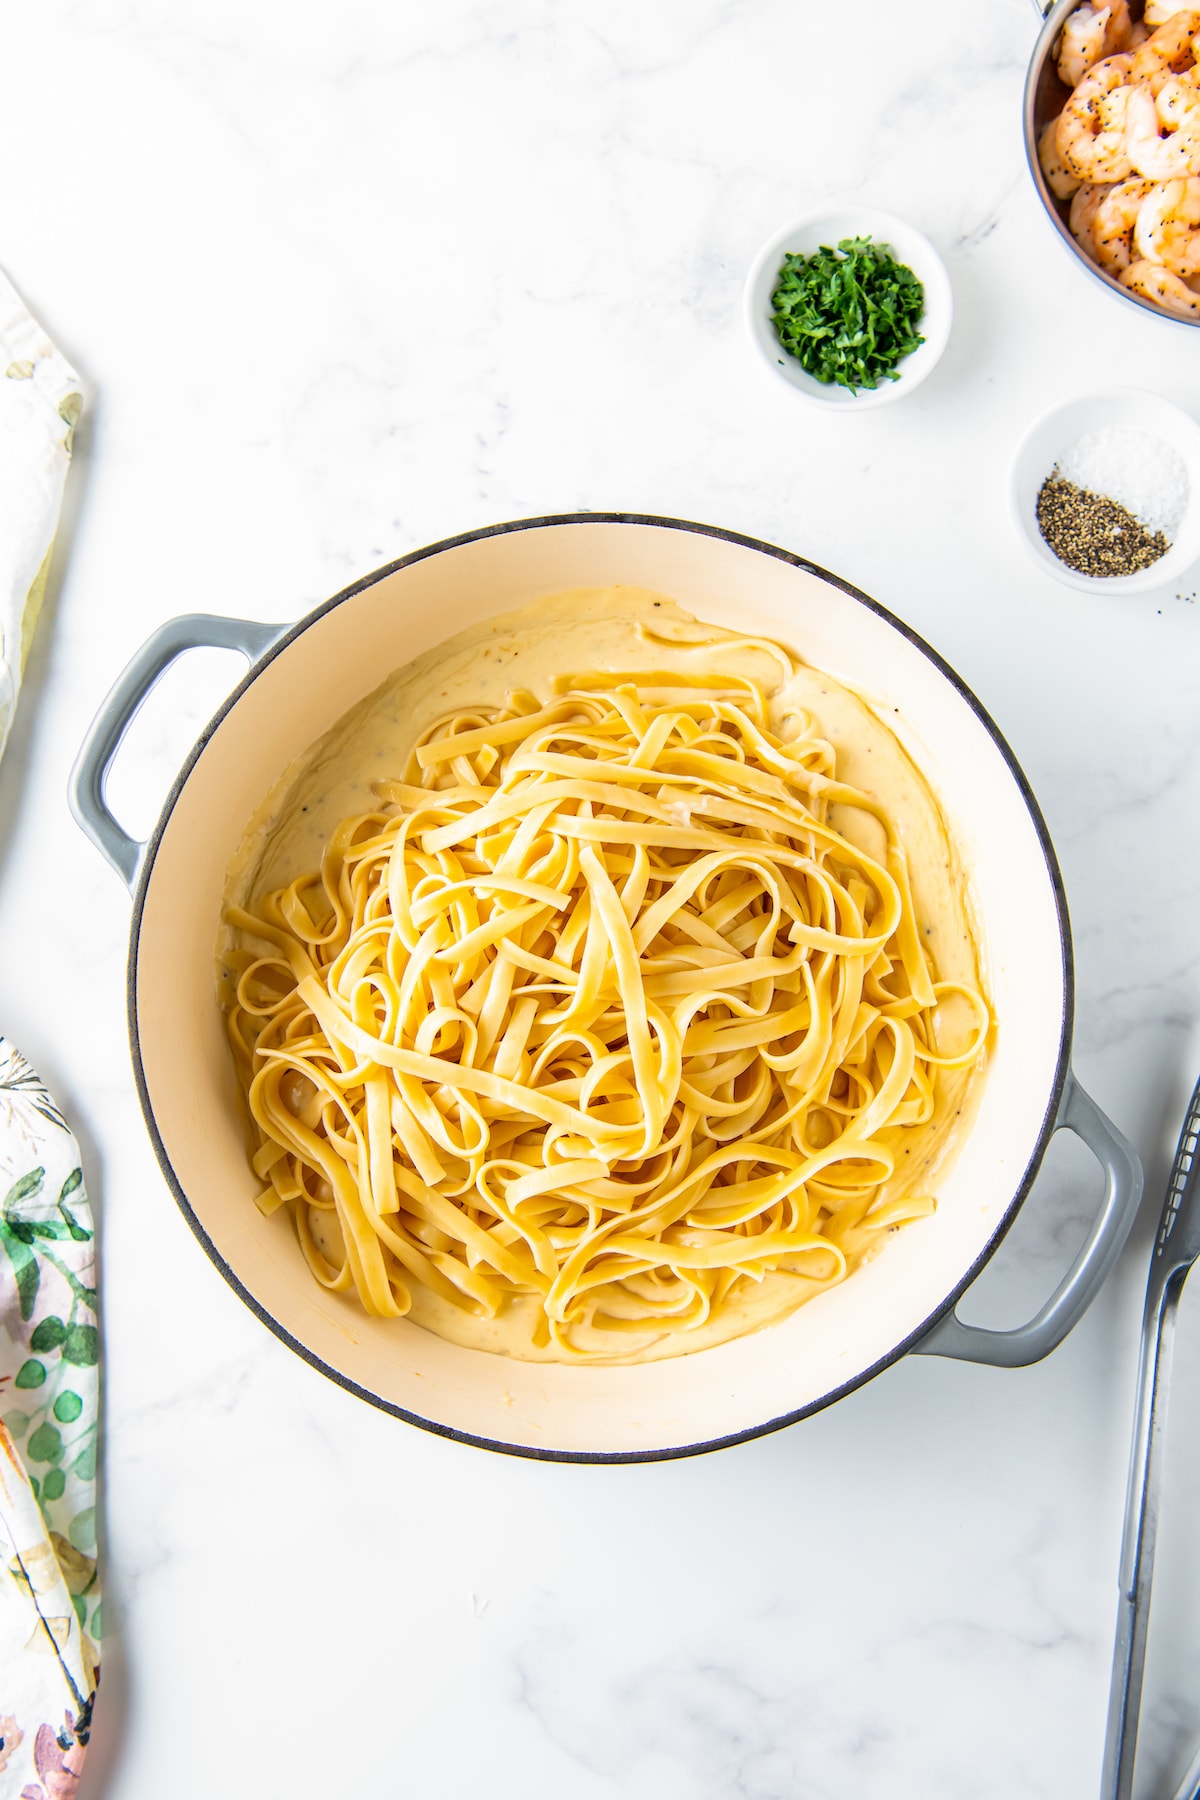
<point>287,636</point>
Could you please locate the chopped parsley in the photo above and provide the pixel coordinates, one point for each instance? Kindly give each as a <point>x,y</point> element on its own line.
<point>848,315</point>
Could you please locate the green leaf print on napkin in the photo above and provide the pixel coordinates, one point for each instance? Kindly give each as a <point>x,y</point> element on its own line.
<point>49,1342</point>
<point>61,1437</point>
<point>17,1239</point>
<point>19,1235</point>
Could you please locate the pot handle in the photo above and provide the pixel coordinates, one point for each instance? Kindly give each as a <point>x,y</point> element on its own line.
<point>1087,1275</point>
<point>193,631</point>
<point>1026,1344</point>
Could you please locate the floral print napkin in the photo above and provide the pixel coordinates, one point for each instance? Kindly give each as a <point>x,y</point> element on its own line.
<point>50,1614</point>
<point>50,1608</point>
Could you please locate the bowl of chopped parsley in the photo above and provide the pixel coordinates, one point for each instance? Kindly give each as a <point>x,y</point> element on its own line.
<point>851,308</point>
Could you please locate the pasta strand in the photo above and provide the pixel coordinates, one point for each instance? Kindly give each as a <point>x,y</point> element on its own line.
<point>598,1007</point>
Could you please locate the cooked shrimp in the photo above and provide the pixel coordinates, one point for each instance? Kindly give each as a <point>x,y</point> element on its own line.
<point>1059,179</point>
<point>1116,216</point>
<point>1119,28</point>
<point>1082,44</point>
<point>1171,50</point>
<point>1084,207</point>
<point>1159,158</point>
<point>1168,227</point>
<point>1177,103</point>
<point>1154,283</point>
<point>1091,126</point>
<point>1157,12</point>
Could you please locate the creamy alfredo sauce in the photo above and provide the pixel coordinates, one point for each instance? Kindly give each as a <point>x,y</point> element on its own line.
<point>626,629</point>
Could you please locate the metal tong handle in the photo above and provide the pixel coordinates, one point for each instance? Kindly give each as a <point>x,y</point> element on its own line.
<point>1137,1549</point>
<point>1189,1787</point>
<point>1169,1269</point>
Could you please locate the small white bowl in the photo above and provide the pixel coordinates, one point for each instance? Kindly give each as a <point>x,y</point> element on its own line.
<point>1051,437</point>
<point>809,234</point>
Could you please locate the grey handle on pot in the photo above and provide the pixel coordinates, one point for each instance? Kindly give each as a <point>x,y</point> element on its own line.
<point>1026,1344</point>
<point>193,631</point>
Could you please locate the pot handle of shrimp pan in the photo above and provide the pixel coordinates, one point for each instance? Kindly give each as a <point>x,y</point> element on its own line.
<point>1026,1344</point>
<point>193,631</point>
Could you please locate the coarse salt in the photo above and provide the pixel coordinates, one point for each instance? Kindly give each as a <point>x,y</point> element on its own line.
<point>1141,473</point>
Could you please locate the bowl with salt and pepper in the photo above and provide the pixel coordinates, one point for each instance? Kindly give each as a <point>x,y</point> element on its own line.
<point>1105,491</point>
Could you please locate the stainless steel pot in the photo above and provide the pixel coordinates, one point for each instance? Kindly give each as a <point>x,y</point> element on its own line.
<point>1045,96</point>
<point>302,679</point>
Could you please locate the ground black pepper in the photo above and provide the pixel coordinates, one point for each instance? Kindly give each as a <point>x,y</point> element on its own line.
<point>1091,533</point>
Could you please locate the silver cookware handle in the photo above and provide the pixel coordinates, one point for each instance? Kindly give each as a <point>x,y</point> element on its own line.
<point>1026,1344</point>
<point>1189,1787</point>
<point>193,631</point>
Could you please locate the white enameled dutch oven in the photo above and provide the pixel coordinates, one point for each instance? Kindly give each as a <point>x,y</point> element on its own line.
<point>303,678</point>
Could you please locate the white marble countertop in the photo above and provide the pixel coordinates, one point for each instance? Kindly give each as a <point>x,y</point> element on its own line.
<point>344,280</point>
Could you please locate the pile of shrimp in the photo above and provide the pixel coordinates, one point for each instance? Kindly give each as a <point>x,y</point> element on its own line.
<point>1125,150</point>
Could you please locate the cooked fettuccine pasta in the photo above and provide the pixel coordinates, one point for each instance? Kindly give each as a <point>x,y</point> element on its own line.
<point>609,1024</point>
